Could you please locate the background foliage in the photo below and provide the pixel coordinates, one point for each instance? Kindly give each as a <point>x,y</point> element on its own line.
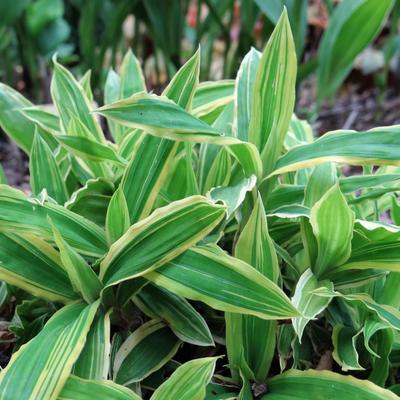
<point>95,34</point>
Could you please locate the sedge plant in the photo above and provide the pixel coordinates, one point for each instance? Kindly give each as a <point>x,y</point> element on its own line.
<point>200,245</point>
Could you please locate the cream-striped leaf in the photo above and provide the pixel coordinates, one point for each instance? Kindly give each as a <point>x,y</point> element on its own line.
<point>211,98</point>
<point>12,120</point>
<point>332,222</point>
<point>146,350</point>
<point>385,313</point>
<point>255,247</point>
<point>76,388</point>
<point>151,161</point>
<point>132,79</point>
<point>89,149</point>
<point>225,283</point>
<point>145,174</point>
<point>344,340</point>
<point>379,146</point>
<point>83,278</point>
<point>39,369</point>
<point>274,94</point>
<point>92,200</point>
<point>19,214</point>
<point>117,218</point>
<point>312,384</point>
<point>244,89</point>
<point>187,324</point>
<point>158,116</point>
<point>31,264</point>
<point>159,238</point>
<point>45,120</point>
<point>188,382</point>
<point>309,304</point>
<point>94,359</point>
<point>71,101</point>
<point>44,171</point>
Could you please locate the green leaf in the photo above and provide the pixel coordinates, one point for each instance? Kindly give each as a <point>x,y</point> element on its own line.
<point>375,246</point>
<point>145,174</point>
<point>152,157</point>
<point>233,196</point>
<point>46,120</point>
<point>159,238</point>
<point>294,194</point>
<point>132,79</point>
<point>390,295</point>
<point>92,200</point>
<point>11,10</point>
<point>385,313</point>
<point>117,219</point>
<point>187,324</point>
<point>33,265</point>
<point>44,171</point>
<point>131,82</point>
<point>322,178</point>
<point>274,94</point>
<point>354,183</point>
<point>245,392</point>
<point>111,94</point>
<point>297,11</point>
<point>208,151</point>
<point>90,149</point>
<point>255,247</point>
<point>188,382</point>
<point>91,159</point>
<point>146,350</point>
<point>347,35</point>
<point>332,223</point>
<point>379,255</point>
<point>244,88</point>
<point>158,116</point>
<point>12,120</point>
<point>82,389</point>
<point>309,304</point>
<point>248,157</point>
<point>83,278</point>
<point>382,365</point>
<point>19,214</point>
<point>344,341</point>
<point>85,83</point>
<point>311,384</point>
<point>71,101</point>
<point>126,148</point>
<point>369,329</point>
<point>3,177</point>
<point>182,172</point>
<point>211,98</point>
<point>44,363</point>
<point>197,275</point>
<point>183,85</point>
<point>220,171</point>
<point>379,146</point>
<point>94,359</point>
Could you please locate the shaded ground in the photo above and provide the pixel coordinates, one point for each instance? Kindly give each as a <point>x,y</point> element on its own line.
<point>357,106</point>
<point>14,162</point>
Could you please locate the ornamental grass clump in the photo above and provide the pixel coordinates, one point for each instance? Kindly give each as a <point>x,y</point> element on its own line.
<point>210,248</point>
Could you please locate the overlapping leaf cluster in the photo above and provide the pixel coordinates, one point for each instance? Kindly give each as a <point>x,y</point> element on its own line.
<point>211,219</point>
